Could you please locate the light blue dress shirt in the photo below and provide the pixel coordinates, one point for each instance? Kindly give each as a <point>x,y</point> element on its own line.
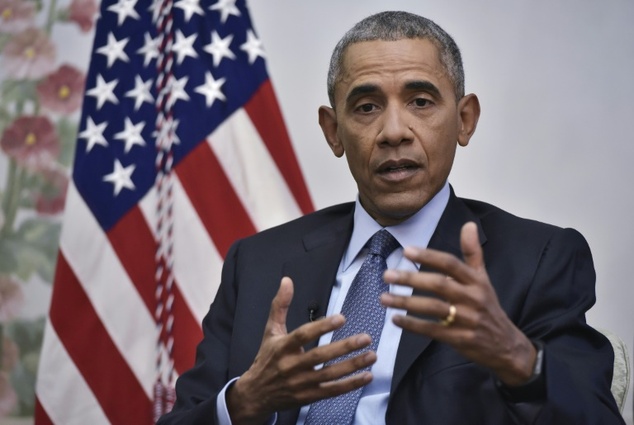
<point>415,231</point>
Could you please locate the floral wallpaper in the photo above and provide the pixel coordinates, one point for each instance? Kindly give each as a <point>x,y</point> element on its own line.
<point>41,93</point>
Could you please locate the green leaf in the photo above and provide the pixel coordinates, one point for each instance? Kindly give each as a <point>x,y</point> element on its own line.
<point>23,382</point>
<point>63,15</point>
<point>40,232</point>
<point>67,131</point>
<point>27,334</point>
<point>27,202</point>
<point>30,182</point>
<point>4,39</point>
<point>46,269</point>
<point>18,90</point>
<point>36,182</point>
<point>35,248</point>
<point>8,260</point>
<point>5,118</point>
<point>30,260</point>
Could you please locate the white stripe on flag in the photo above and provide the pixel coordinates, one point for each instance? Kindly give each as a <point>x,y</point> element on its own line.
<point>106,283</point>
<point>252,172</point>
<point>59,383</point>
<point>197,263</point>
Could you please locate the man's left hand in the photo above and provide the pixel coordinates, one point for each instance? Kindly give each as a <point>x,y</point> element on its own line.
<point>481,331</point>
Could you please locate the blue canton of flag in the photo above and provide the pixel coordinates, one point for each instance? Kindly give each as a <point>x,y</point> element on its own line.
<point>215,69</point>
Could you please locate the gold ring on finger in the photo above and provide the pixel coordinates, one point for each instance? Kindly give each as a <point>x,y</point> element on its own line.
<point>451,317</point>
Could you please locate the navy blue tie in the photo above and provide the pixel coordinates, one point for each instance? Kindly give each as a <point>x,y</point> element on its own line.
<point>364,314</point>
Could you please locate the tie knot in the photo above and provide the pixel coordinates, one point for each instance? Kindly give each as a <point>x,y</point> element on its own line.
<point>383,243</point>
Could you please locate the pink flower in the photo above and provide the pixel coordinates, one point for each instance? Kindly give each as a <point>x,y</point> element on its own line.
<point>16,15</point>
<point>8,397</point>
<point>62,91</point>
<point>51,198</point>
<point>29,54</point>
<point>11,299</point>
<point>31,141</point>
<point>82,12</point>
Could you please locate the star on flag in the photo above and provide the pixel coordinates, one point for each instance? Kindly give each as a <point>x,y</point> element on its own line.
<point>93,133</point>
<point>114,50</point>
<point>120,177</point>
<point>124,9</point>
<point>103,91</point>
<point>226,8</point>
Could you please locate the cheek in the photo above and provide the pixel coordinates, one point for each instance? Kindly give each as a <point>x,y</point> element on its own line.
<point>440,152</point>
<point>358,151</point>
<point>444,136</point>
<point>358,163</point>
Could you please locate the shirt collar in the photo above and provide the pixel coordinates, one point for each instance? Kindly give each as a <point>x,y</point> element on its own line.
<point>415,231</point>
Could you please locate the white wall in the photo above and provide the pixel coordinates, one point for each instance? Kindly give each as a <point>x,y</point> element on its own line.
<point>554,141</point>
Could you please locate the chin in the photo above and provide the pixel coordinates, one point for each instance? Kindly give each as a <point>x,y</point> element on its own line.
<point>392,212</point>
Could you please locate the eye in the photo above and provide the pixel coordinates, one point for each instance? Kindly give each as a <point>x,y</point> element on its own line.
<point>366,108</point>
<point>422,102</point>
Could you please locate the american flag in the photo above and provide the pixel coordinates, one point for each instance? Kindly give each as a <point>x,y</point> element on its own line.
<point>181,150</point>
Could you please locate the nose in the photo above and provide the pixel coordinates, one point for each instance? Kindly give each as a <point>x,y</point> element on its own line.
<point>395,128</point>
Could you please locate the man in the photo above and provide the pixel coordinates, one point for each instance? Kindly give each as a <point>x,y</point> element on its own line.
<point>485,326</point>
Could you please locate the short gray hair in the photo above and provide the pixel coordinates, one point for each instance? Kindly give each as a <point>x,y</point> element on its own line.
<point>393,26</point>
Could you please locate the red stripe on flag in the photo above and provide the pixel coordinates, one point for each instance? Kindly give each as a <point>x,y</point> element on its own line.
<point>40,416</point>
<point>270,126</point>
<point>88,344</point>
<point>213,197</point>
<point>137,257</point>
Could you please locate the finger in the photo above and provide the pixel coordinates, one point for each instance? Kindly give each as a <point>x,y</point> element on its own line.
<point>455,334</point>
<point>337,378</point>
<point>307,380</point>
<point>441,262</point>
<point>338,370</point>
<point>311,331</point>
<point>334,388</point>
<point>437,283</point>
<point>470,244</point>
<point>422,306</point>
<point>280,304</point>
<point>334,350</point>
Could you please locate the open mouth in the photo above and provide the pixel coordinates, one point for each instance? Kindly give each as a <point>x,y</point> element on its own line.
<point>399,168</point>
<point>396,167</point>
<point>397,171</point>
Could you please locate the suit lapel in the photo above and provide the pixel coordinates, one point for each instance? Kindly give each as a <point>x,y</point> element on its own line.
<point>314,272</point>
<point>315,269</point>
<point>446,238</point>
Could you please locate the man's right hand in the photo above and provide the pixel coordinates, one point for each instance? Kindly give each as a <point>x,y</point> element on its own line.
<point>283,375</point>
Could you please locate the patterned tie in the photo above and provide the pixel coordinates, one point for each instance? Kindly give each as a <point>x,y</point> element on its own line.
<point>364,314</point>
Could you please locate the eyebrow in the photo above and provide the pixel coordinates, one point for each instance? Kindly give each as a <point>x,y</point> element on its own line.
<point>361,90</point>
<point>425,86</point>
<point>417,85</point>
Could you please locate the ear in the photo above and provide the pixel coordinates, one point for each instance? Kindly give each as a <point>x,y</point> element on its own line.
<point>328,124</point>
<point>469,113</point>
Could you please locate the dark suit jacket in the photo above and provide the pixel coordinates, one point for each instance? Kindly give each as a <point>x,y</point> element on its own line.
<point>544,278</point>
